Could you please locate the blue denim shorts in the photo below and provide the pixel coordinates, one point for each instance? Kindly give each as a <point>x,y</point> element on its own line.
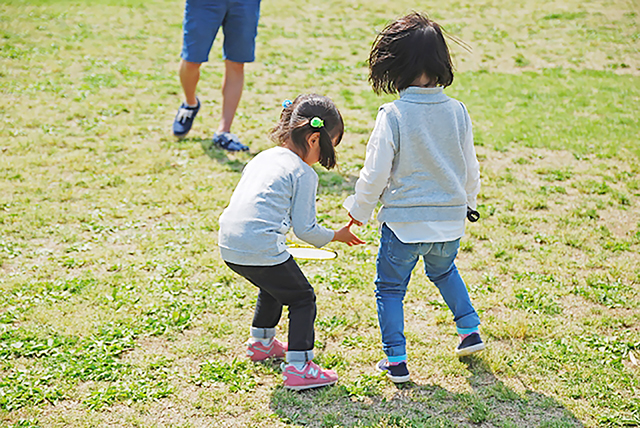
<point>203,19</point>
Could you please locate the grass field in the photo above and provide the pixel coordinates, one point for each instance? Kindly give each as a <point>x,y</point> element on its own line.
<point>116,309</point>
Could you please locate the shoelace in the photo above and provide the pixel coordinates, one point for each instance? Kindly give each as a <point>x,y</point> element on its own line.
<point>184,113</point>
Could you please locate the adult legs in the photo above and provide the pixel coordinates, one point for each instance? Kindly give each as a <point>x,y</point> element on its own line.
<point>232,85</point>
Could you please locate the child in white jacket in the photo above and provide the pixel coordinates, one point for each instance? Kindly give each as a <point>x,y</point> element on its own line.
<point>421,165</point>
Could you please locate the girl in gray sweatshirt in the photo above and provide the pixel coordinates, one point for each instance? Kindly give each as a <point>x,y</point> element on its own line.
<point>277,192</point>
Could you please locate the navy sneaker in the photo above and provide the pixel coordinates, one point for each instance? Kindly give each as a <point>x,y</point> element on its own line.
<point>470,344</point>
<point>229,141</point>
<point>184,119</point>
<point>398,373</point>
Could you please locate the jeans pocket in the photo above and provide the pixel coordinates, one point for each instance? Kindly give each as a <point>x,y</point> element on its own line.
<point>450,248</point>
<point>396,251</point>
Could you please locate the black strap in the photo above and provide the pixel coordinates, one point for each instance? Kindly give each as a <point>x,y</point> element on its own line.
<point>472,215</point>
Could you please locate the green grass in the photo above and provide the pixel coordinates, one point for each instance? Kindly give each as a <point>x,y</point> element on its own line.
<point>116,309</point>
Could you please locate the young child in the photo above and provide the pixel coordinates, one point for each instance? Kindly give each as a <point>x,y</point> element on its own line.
<point>421,165</point>
<point>277,191</point>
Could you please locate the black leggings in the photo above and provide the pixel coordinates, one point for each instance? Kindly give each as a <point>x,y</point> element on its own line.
<point>279,285</point>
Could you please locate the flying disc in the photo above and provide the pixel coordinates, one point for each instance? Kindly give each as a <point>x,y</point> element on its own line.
<point>305,253</point>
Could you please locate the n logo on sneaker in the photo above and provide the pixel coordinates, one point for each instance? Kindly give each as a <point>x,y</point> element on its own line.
<point>313,372</point>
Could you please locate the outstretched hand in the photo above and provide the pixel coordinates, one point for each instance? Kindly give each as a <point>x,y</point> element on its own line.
<point>345,235</point>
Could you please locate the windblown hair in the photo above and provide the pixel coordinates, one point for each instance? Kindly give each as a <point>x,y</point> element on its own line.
<point>404,50</point>
<point>295,123</point>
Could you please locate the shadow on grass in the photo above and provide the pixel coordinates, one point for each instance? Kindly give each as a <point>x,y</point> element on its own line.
<point>235,161</point>
<point>362,403</point>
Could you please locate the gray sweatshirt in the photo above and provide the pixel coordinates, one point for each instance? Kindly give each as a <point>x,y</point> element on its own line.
<point>277,191</point>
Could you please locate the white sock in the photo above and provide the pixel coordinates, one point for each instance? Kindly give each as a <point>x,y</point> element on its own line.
<point>191,105</point>
<point>298,366</point>
<point>265,342</point>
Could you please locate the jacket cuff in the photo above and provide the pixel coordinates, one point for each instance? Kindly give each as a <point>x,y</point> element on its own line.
<point>358,213</point>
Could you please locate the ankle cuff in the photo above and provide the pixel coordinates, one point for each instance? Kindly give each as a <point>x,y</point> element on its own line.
<point>467,330</point>
<point>397,359</point>
<point>295,357</point>
<point>263,333</point>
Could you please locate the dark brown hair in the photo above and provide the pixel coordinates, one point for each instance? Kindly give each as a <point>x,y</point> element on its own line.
<point>404,50</point>
<point>295,123</point>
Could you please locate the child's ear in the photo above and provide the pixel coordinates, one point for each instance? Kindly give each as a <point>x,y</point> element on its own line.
<point>313,139</point>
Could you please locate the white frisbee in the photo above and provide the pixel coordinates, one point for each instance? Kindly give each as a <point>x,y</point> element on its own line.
<point>306,253</point>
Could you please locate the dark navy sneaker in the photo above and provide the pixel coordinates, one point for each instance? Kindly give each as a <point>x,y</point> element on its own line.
<point>398,373</point>
<point>470,344</point>
<point>184,119</point>
<point>229,141</point>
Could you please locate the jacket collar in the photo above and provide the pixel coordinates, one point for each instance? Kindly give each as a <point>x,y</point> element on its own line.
<point>417,94</point>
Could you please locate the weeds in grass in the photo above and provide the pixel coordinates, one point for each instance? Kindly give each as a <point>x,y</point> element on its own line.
<point>238,375</point>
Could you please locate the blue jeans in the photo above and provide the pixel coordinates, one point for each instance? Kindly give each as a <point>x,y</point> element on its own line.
<point>394,265</point>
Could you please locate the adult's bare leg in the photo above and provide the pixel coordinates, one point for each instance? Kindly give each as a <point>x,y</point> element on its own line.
<point>232,85</point>
<point>189,77</point>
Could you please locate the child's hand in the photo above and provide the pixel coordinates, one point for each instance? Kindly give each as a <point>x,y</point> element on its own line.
<point>354,221</point>
<point>345,235</point>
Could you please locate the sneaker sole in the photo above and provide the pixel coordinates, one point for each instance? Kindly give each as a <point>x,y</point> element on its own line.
<point>470,350</point>
<point>396,379</point>
<point>399,379</point>
<point>181,136</point>
<point>303,387</point>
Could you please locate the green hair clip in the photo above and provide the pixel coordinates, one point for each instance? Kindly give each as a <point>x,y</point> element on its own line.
<point>316,122</point>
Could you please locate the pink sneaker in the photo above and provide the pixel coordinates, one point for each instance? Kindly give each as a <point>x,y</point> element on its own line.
<point>312,376</point>
<point>259,352</point>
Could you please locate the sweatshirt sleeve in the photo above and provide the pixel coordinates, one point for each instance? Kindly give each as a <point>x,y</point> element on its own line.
<point>303,212</point>
<point>472,186</point>
<point>375,174</point>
